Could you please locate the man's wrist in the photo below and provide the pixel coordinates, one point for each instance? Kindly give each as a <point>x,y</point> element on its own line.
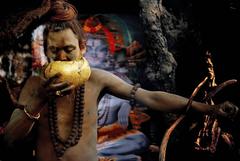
<point>214,110</point>
<point>30,115</point>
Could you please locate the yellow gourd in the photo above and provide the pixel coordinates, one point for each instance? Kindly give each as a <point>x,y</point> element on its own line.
<point>76,72</point>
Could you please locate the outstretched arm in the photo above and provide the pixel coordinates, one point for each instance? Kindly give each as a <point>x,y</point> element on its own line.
<point>162,101</point>
<point>168,102</point>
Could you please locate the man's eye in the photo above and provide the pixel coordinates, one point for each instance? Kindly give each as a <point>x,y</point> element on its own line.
<point>53,49</point>
<point>68,49</point>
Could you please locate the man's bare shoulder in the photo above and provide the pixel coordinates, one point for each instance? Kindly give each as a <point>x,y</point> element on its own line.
<point>97,70</point>
<point>99,73</point>
<point>102,77</point>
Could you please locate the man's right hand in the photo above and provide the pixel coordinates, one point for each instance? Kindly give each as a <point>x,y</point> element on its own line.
<point>228,110</point>
<point>55,88</point>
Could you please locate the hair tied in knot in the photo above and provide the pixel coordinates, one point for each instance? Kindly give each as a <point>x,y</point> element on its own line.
<point>63,11</point>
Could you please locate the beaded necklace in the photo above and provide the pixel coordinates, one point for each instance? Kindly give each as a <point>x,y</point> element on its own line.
<point>60,145</point>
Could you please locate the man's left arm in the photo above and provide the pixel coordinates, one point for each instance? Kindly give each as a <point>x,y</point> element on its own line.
<point>160,100</point>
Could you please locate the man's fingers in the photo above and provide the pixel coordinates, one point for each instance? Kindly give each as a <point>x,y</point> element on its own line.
<point>67,90</point>
<point>58,86</point>
<point>234,112</point>
<point>229,110</point>
<point>52,79</point>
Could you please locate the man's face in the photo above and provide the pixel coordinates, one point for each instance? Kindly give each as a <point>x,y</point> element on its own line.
<point>63,46</point>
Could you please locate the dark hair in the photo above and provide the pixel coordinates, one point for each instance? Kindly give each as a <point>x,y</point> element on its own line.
<point>74,25</point>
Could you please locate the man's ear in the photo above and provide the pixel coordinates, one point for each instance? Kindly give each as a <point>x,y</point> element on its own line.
<point>83,50</point>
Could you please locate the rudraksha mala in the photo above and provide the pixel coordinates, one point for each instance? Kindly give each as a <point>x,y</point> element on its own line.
<point>132,94</point>
<point>60,145</point>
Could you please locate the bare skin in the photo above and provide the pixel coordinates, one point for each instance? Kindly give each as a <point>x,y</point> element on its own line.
<point>35,96</point>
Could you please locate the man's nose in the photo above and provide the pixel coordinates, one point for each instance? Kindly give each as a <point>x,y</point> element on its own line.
<point>62,55</point>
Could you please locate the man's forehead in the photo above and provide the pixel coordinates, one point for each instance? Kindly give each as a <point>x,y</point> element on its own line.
<point>62,37</point>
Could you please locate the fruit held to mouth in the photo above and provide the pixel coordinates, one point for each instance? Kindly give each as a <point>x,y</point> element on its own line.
<point>75,72</point>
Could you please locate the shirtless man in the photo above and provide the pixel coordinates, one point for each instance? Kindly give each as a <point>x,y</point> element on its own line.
<point>66,116</point>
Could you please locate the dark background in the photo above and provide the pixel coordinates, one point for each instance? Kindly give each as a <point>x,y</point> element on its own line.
<point>215,25</point>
